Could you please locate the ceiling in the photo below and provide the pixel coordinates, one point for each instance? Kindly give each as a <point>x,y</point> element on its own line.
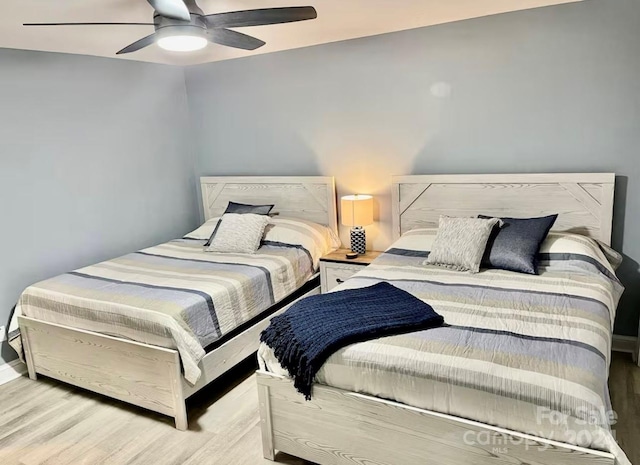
<point>337,20</point>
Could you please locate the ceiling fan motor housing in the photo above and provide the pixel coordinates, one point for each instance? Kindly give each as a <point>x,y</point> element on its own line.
<point>167,27</point>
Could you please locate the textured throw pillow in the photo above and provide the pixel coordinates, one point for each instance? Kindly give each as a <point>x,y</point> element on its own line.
<point>460,243</point>
<point>515,246</point>
<point>239,233</point>
<point>242,208</point>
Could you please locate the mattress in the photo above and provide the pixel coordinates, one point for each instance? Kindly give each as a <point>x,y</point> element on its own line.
<point>173,295</point>
<point>526,353</point>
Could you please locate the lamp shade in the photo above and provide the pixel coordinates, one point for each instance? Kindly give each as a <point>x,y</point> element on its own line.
<point>357,210</point>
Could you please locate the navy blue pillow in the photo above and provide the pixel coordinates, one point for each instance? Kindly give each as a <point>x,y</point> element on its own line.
<point>241,209</point>
<point>515,245</point>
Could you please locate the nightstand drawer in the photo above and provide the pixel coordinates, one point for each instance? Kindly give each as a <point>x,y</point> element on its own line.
<point>335,268</point>
<point>335,275</point>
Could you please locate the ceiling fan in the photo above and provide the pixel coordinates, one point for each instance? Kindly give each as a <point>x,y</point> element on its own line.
<point>180,25</point>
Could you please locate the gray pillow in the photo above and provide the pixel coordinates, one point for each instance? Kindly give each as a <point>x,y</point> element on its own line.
<point>239,233</point>
<point>241,208</point>
<point>460,243</point>
<point>515,246</point>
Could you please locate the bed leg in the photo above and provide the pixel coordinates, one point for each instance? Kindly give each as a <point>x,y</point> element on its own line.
<point>181,419</point>
<point>268,450</point>
<point>28,355</point>
<point>179,402</point>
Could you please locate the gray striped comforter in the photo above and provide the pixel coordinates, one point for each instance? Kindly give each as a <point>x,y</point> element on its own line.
<point>526,353</point>
<point>173,295</point>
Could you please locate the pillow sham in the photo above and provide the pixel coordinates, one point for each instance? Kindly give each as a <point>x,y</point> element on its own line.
<point>238,233</point>
<point>614,257</point>
<point>416,242</point>
<point>563,251</point>
<point>460,242</point>
<point>204,231</point>
<point>315,238</point>
<point>515,245</point>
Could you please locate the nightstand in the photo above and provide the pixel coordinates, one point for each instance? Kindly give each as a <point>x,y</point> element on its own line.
<point>335,267</point>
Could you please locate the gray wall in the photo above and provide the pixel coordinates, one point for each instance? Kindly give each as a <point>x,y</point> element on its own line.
<point>553,89</point>
<point>95,162</point>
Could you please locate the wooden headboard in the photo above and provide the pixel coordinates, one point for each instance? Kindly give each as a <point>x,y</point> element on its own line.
<point>584,202</point>
<point>311,198</point>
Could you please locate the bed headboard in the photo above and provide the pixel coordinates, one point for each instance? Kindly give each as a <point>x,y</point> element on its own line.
<point>584,202</point>
<point>311,198</point>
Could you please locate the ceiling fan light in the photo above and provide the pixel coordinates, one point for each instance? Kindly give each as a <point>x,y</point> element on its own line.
<point>182,43</point>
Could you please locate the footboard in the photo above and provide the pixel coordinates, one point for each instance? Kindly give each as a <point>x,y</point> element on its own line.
<point>140,374</point>
<point>340,427</point>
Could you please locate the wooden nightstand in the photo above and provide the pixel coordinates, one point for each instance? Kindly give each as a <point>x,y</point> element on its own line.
<point>335,268</point>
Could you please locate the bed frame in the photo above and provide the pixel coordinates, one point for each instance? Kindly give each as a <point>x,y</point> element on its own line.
<point>150,376</point>
<point>338,427</point>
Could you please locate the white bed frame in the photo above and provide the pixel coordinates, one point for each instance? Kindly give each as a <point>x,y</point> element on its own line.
<point>338,427</point>
<point>150,376</point>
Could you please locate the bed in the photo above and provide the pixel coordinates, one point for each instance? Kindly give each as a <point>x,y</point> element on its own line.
<point>488,388</point>
<point>154,327</point>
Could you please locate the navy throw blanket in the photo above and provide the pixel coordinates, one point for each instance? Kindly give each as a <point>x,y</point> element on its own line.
<point>304,336</point>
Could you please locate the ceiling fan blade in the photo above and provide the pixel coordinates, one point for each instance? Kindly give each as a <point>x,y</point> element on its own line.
<point>193,7</point>
<point>234,39</point>
<point>261,17</point>
<point>142,43</point>
<point>175,9</point>
<point>88,24</point>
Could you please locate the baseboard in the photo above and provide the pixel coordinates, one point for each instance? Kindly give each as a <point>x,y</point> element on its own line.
<point>627,344</point>
<point>12,370</point>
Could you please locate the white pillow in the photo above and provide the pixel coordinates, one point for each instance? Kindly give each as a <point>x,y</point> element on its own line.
<point>569,244</point>
<point>204,232</point>
<point>420,240</point>
<point>239,233</point>
<point>317,239</point>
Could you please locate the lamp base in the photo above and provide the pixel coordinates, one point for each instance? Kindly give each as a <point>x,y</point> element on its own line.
<point>358,240</point>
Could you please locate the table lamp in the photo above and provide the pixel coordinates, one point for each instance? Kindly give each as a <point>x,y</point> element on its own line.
<point>357,212</point>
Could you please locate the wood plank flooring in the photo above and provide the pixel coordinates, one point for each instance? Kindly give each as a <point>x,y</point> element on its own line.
<point>50,423</point>
<point>624,386</point>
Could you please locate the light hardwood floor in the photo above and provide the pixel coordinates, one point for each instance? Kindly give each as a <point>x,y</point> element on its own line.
<point>47,422</point>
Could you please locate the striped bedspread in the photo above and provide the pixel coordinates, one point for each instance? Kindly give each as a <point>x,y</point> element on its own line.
<point>173,295</point>
<point>526,353</point>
